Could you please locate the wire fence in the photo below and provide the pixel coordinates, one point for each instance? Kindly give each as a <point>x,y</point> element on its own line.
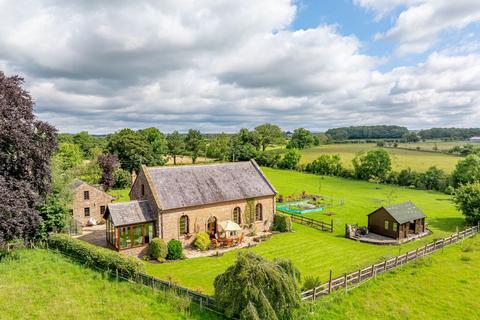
<point>202,300</point>
<point>356,278</point>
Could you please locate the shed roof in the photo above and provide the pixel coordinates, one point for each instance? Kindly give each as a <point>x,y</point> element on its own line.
<point>404,212</point>
<point>187,186</point>
<point>132,212</point>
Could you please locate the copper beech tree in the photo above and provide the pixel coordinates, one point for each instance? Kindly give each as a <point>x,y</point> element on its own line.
<point>26,147</point>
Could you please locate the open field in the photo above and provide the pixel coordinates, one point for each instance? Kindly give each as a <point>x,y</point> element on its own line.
<point>45,285</point>
<point>429,145</point>
<point>315,252</point>
<point>401,158</point>
<point>443,286</point>
<point>188,160</point>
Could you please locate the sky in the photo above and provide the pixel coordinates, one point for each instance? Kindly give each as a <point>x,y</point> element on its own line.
<point>220,65</point>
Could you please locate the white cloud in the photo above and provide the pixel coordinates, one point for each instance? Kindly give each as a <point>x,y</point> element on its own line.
<point>102,65</point>
<point>417,27</point>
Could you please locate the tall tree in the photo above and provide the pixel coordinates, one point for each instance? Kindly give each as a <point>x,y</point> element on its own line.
<point>269,289</point>
<point>26,147</point>
<point>300,139</point>
<point>69,155</point>
<point>158,146</point>
<point>270,134</point>
<point>467,200</point>
<point>130,147</point>
<point>194,143</point>
<point>218,147</point>
<point>375,164</point>
<point>109,164</point>
<point>467,170</point>
<point>85,142</point>
<point>176,145</point>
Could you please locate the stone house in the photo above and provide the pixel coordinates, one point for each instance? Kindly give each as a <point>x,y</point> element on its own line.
<point>88,202</point>
<point>178,202</point>
<point>397,221</point>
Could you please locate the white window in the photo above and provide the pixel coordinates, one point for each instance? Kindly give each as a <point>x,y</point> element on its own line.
<point>386,224</point>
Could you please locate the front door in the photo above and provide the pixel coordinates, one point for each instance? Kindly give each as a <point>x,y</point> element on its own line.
<point>212,226</point>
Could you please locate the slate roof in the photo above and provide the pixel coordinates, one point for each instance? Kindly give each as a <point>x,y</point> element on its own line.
<point>132,212</point>
<point>186,186</point>
<point>77,183</point>
<point>404,212</point>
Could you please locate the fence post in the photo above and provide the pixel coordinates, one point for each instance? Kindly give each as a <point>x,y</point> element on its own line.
<point>345,280</point>
<point>373,270</point>
<point>359,276</point>
<point>116,274</point>
<point>331,225</point>
<point>416,254</point>
<point>330,282</point>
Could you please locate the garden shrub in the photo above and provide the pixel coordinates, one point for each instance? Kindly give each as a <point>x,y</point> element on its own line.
<point>272,290</point>
<point>95,256</point>
<point>202,241</point>
<point>282,223</point>
<point>157,249</point>
<point>175,250</point>
<point>311,282</point>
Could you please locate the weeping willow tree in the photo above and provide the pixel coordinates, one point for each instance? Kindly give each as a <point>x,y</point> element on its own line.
<point>255,288</point>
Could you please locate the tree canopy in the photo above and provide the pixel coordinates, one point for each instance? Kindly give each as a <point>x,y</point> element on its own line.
<point>130,147</point>
<point>375,164</point>
<point>175,145</point>
<point>367,132</point>
<point>467,170</point>
<point>26,147</point>
<point>194,143</point>
<point>269,134</point>
<point>301,139</point>
<point>269,289</point>
<point>467,200</point>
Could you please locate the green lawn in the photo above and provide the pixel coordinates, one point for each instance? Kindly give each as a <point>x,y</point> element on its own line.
<point>45,285</point>
<point>443,286</point>
<point>121,195</point>
<point>401,158</point>
<point>315,252</point>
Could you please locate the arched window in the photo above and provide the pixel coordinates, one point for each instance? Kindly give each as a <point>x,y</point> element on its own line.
<point>236,215</point>
<point>259,212</point>
<point>183,225</point>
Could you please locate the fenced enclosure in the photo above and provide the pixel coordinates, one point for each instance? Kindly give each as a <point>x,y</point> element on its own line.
<point>202,300</point>
<point>316,224</point>
<point>356,278</point>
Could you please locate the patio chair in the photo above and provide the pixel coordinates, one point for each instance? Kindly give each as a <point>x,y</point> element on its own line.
<point>215,244</point>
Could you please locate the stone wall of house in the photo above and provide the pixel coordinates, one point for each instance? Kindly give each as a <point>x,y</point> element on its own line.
<point>199,215</point>
<point>97,199</point>
<point>136,194</point>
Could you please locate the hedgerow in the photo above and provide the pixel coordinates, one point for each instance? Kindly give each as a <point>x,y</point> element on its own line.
<point>95,256</point>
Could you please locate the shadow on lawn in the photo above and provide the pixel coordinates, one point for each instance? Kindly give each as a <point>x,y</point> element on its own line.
<point>449,224</point>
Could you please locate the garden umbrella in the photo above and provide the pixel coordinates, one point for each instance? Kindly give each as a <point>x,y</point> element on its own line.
<point>229,227</point>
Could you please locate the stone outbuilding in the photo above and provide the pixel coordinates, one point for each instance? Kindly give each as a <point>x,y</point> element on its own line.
<point>88,202</point>
<point>178,202</point>
<point>397,221</point>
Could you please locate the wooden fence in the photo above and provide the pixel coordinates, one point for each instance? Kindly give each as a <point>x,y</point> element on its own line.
<point>356,278</point>
<point>316,224</point>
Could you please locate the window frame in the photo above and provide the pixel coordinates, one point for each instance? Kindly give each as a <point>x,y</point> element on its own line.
<point>258,212</point>
<point>395,226</point>
<point>386,224</point>
<point>238,211</point>
<point>103,209</point>
<point>85,211</point>
<point>186,227</point>
<point>86,195</point>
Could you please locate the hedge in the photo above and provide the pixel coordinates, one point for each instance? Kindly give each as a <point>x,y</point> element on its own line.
<point>282,223</point>
<point>157,249</point>
<point>95,256</point>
